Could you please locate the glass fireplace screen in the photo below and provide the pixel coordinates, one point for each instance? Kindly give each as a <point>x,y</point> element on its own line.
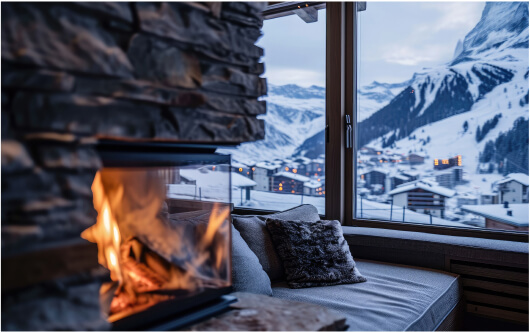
<point>164,238</point>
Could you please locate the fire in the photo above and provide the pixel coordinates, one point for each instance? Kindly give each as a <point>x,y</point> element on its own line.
<point>150,258</point>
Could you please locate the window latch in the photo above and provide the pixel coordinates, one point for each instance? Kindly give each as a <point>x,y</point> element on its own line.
<point>349,133</point>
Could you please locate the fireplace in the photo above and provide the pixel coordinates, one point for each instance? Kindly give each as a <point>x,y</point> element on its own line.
<point>97,92</point>
<point>164,239</point>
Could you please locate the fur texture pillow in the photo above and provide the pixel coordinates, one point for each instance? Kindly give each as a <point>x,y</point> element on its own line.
<point>313,253</point>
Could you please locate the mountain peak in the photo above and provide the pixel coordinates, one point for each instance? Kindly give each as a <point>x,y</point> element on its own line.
<point>500,24</point>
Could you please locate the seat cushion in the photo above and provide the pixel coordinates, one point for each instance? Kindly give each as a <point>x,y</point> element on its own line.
<point>255,233</point>
<point>247,273</point>
<point>395,297</point>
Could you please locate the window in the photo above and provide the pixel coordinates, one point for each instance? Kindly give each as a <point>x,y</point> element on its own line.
<point>287,168</point>
<point>442,114</point>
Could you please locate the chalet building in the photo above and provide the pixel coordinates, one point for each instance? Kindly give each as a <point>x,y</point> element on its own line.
<point>513,188</point>
<point>241,169</point>
<point>422,197</point>
<point>289,183</point>
<point>263,173</point>
<point>314,188</point>
<point>450,178</point>
<point>489,198</point>
<point>316,167</point>
<point>303,163</point>
<point>415,159</point>
<point>398,180</point>
<point>466,199</point>
<point>440,164</point>
<point>506,216</point>
<point>374,177</point>
<point>369,151</point>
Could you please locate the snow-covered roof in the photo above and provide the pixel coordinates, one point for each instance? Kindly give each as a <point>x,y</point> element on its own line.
<point>268,166</point>
<point>242,181</point>
<point>517,177</point>
<point>313,184</point>
<point>303,160</point>
<point>293,176</point>
<point>383,171</point>
<point>425,185</point>
<point>497,212</point>
<point>238,165</point>
<point>467,196</point>
<point>401,177</point>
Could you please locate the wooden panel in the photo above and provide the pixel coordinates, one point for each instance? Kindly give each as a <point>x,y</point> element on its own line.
<point>350,102</point>
<point>444,230</point>
<point>496,286</point>
<point>496,300</point>
<point>334,111</point>
<point>498,313</point>
<point>489,272</point>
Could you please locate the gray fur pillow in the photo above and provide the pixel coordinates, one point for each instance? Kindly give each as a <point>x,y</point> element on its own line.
<point>313,253</point>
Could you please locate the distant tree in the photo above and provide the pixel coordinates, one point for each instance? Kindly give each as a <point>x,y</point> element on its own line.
<point>488,125</point>
<point>466,126</point>
<point>509,150</point>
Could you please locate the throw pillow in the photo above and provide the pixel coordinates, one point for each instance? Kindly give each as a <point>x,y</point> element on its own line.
<point>254,231</point>
<point>247,273</point>
<point>313,253</point>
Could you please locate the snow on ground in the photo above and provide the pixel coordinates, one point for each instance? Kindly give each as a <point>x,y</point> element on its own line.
<point>498,212</point>
<point>210,186</point>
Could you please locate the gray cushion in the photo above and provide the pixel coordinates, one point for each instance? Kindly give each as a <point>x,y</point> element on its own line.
<point>247,273</point>
<point>313,253</point>
<point>395,297</point>
<point>255,233</point>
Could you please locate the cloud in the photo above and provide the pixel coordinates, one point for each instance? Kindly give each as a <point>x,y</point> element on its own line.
<point>301,77</point>
<point>456,15</point>
<point>414,55</point>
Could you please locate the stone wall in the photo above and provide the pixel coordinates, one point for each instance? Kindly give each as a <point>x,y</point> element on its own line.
<point>73,73</point>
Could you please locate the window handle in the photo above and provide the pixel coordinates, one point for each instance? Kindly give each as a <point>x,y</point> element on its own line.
<point>349,133</point>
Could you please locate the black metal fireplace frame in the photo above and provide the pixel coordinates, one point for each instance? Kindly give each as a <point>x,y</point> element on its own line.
<point>163,315</point>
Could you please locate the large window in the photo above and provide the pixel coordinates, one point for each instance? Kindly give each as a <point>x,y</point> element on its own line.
<point>442,114</point>
<point>287,168</point>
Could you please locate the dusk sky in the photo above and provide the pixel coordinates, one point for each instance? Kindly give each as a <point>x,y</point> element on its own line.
<point>396,40</point>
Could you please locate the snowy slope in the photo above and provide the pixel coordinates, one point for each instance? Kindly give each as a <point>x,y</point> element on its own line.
<point>294,114</point>
<point>493,53</point>
<point>376,95</point>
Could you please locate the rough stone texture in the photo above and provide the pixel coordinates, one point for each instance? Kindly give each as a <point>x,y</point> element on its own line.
<point>15,157</point>
<point>120,10</point>
<point>256,312</point>
<point>77,72</point>
<point>183,24</point>
<point>161,62</point>
<point>60,306</point>
<point>142,91</point>
<point>51,35</point>
<point>208,126</point>
<point>89,115</point>
<point>41,79</point>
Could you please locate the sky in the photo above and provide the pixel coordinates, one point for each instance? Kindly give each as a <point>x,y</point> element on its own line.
<point>396,39</point>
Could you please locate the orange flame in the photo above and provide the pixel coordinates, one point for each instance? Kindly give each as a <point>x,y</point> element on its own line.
<point>137,269</point>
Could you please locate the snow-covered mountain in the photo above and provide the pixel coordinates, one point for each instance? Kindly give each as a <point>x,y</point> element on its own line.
<point>488,75</point>
<point>374,96</point>
<point>294,114</point>
<point>494,53</point>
